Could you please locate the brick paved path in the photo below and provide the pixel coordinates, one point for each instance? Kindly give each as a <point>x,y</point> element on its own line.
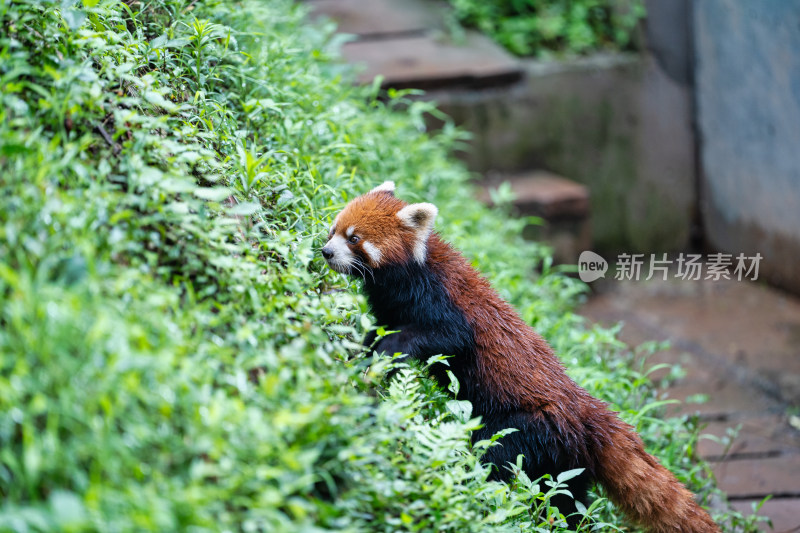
<point>739,343</point>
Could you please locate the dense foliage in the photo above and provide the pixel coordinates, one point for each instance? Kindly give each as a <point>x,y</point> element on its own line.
<point>541,27</point>
<point>173,354</point>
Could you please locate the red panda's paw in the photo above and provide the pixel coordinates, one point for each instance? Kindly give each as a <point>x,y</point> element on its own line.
<point>392,344</point>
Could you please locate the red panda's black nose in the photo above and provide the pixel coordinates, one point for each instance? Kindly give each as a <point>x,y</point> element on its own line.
<point>327,253</point>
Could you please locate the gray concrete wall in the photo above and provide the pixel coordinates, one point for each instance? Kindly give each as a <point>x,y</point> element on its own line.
<point>748,101</point>
<point>668,37</point>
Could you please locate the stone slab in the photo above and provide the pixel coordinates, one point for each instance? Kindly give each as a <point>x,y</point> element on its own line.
<point>544,194</point>
<point>756,478</point>
<point>562,204</point>
<point>766,435</point>
<point>371,18</point>
<point>723,399</point>
<point>423,62</point>
<point>783,512</point>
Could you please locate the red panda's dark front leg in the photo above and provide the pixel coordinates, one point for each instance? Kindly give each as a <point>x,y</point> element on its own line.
<point>405,341</point>
<point>370,338</point>
<point>422,342</point>
<point>379,345</point>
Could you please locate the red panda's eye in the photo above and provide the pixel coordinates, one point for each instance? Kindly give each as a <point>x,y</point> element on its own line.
<point>354,239</point>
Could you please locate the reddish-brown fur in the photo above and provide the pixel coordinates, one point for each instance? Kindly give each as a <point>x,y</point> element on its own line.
<point>516,368</point>
<point>518,365</point>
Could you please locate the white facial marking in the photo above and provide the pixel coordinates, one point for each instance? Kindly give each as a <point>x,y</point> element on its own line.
<point>420,218</point>
<point>350,231</point>
<point>420,250</point>
<point>372,251</point>
<point>342,257</point>
<point>386,186</point>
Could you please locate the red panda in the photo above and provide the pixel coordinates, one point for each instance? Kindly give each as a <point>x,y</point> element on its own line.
<point>419,285</point>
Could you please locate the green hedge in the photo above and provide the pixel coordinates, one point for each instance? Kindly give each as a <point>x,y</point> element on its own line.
<point>547,27</point>
<point>173,354</point>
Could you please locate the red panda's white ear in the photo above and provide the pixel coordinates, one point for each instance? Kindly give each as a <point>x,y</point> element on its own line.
<point>386,186</point>
<point>420,218</point>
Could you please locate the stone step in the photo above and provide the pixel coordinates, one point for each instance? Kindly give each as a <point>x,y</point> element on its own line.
<point>378,18</point>
<point>715,396</point>
<point>562,204</point>
<point>783,512</point>
<point>764,436</point>
<point>405,43</point>
<point>756,478</point>
<point>545,194</point>
<point>425,62</point>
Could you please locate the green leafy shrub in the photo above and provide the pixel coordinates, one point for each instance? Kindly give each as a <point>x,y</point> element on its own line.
<point>540,27</point>
<point>173,354</point>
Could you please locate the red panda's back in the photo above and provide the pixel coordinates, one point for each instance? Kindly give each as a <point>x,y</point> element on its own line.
<point>514,362</point>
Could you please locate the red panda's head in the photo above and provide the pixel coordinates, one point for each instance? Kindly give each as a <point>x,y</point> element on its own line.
<point>379,229</point>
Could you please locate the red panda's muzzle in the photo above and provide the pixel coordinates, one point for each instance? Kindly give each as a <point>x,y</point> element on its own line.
<point>341,258</point>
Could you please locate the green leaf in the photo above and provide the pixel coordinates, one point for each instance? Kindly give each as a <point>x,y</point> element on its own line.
<point>244,209</point>
<point>563,477</point>
<point>159,41</point>
<point>68,509</point>
<point>156,98</point>
<point>74,18</point>
<point>215,194</point>
<point>462,410</point>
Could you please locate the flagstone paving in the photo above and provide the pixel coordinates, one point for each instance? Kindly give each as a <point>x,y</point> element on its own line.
<point>737,342</point>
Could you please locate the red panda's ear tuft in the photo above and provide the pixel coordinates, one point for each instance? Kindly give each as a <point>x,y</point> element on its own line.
<point>386,186</point>
<point>420,218</point>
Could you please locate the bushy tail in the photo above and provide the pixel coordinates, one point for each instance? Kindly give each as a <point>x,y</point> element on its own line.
<point>647,492</point>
